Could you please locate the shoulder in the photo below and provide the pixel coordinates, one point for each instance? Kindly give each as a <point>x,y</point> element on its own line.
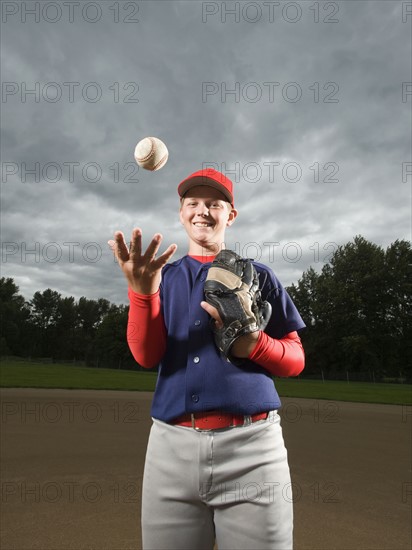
<point>173,265</point>
<point>267,278</point>
<point>285,317</point>
<point>185,264</point>
<point>262,267</point>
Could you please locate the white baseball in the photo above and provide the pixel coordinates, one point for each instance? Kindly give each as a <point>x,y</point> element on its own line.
<point>151,153</point>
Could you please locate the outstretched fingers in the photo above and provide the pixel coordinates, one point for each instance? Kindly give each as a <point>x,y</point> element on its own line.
<point>134,252</point>
<point>165,257</point>
<point>153,247</point>
<point>119,247</point>
<point>135,249</point>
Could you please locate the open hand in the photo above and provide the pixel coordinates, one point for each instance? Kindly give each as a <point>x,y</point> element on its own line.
<point>142,271</point>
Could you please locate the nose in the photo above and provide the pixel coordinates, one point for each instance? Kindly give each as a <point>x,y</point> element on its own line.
<point>202,209</point>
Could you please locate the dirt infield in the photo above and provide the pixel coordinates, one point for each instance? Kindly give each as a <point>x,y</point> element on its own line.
<point>72,463</point>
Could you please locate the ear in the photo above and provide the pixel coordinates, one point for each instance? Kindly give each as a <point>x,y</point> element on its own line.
<point>180,217</point>
<point>232,217</point>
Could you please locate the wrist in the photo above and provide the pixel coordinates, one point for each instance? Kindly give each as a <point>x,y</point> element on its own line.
<point>143,288</point>
<point>146,291</point>
<point>143,291</point>
<point>244,346</point>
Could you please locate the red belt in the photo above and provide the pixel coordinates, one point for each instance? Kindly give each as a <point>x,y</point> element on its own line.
<point>215,420</point>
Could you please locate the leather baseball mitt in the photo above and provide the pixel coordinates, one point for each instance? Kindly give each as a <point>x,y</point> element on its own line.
<point>232,287</point>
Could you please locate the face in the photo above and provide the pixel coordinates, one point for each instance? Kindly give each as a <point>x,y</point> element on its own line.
<point>205,214</point>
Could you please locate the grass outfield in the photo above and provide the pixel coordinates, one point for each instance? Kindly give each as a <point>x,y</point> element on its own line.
<point>24,374</point>
<point>362,392</point>
<point>21,374</point>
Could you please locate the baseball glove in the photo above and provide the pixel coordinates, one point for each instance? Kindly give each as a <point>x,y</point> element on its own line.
<point>232,287</point>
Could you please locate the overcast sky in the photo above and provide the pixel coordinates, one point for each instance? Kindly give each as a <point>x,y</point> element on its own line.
<point>305,105</point>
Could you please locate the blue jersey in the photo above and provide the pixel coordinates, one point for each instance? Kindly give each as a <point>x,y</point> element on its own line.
<point>193,375</point>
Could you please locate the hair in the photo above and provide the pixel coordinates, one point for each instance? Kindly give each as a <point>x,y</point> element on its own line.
<point>230,207</point>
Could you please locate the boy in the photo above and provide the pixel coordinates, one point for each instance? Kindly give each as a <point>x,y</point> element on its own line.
<point>216,465</point>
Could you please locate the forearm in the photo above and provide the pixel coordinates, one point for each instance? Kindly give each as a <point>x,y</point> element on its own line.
<point>281,357</point>
<point>146,331</point>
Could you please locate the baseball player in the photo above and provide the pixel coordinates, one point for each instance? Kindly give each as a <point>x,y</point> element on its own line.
<point>219,326</point>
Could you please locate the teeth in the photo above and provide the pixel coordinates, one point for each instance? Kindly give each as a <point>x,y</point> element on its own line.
<point>202,224</point>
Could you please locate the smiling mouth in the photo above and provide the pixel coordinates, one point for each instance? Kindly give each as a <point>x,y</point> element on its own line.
<point>202,224</point>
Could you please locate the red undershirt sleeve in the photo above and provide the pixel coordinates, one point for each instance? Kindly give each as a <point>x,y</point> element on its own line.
<point>146,331</point>
<point>283,357</point>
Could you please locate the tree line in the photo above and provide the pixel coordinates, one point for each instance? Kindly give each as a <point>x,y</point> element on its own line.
<point>357,312</point>
<point>61,328</point>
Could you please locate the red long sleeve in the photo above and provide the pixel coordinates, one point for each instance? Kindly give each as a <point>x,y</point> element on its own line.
<point>283,357</point>
<point>146,331</point>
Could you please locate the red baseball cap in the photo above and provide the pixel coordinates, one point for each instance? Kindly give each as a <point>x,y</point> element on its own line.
<point>210,177</point>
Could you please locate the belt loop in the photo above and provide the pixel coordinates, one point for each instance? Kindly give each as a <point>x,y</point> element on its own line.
<point>192,416</point>
<point>247,420</point>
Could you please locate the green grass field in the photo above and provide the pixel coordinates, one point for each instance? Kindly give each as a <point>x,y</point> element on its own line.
<point>24,374</point>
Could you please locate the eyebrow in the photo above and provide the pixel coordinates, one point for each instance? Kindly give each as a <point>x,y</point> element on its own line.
<point>198,198</point>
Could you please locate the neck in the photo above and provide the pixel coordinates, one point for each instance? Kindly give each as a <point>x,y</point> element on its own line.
<point>210,249</point>
<point>203,259</point>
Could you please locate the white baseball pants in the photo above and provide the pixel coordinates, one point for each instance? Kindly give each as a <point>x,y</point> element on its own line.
<point>231,486</point>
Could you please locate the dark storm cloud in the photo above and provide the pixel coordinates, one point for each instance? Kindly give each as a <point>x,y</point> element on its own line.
<point>307,118</point>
